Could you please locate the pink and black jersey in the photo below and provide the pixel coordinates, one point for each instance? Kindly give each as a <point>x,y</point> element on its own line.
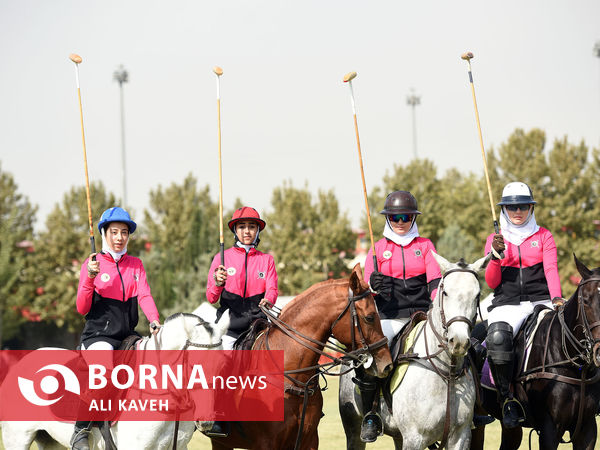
<point>251,276</point>
<point>527,273</point>
<point>110,300</point>
<point>411,277</point>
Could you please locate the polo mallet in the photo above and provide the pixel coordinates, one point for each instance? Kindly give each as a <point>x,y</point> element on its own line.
<point>77,60</point>
<point>218,72</point>
<point>348,79</point>
<point>467,57</point>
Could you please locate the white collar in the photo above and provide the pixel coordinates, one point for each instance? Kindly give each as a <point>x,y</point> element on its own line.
<point>516,234</point>
<point>404,239</point>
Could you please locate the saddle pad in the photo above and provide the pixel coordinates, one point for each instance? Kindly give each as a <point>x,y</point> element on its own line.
<point>401,369</point>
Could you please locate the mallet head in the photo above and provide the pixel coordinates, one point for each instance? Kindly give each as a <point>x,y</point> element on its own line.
<point>218,71</point>
<point>75,58</point>
<point>468,56</point>
<point>349,76</point>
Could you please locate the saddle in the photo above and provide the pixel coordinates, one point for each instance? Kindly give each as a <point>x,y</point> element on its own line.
<point>402,346</point>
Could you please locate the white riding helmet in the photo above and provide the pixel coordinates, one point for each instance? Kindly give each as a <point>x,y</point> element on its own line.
<point>516,193</point>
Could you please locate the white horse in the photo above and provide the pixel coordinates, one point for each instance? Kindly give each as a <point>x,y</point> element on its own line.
<point>419,404</point>
<point>131,435</point>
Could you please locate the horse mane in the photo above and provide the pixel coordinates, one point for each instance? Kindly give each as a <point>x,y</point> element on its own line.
<point>184,315</point>
<point>300,300</point>
<point>462,263</point>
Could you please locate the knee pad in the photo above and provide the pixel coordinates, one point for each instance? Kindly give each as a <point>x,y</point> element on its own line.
<point>499,342</point>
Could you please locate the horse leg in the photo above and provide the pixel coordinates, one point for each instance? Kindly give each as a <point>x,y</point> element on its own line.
<point>477,438</point>
<point>511,438</point>
<point>350,414</point>
<point>586,440</point>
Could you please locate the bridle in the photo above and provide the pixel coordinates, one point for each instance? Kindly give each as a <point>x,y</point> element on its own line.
<point>356,357</point>
<point>451,374</point>
<point>443,338</point>
<point>590,343</point>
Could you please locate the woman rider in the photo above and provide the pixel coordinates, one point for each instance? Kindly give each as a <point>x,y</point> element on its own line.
<point>110,301</point>
<point>526,276</point>
<point>246,281</point>
<point>405,282</point>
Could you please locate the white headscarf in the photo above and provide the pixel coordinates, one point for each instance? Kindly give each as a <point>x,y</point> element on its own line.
<point>400,239</point>
<point>106,248</point>
<point>516,234</point>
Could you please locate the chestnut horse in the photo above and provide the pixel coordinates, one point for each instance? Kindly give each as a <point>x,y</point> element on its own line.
<point>344,309</point>
<point>559,383</point>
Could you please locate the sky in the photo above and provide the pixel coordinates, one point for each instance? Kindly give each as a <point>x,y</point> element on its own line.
<point>285,112</point>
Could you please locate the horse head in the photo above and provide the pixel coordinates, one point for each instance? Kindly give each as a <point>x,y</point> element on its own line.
<point>588,305</point>
<point>455,305</point>
<point>358,326</point>
<point>185,330</point>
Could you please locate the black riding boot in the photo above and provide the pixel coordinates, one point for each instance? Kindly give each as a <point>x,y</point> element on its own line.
<point>220,428</point>
<point>81,434</point>
<point>372,425</point>
<point>501,360</point>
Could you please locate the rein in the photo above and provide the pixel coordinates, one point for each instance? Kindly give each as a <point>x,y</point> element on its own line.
<point>451,374</point>
<point>358,356</point>
<point>584,349</point>
<point>188,343</point>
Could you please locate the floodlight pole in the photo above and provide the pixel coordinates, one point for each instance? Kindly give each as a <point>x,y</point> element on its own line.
<point>121,76</point>
<point>413,100</point>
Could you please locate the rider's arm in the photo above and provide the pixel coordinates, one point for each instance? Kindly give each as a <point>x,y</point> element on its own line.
<point>493,272</point>
<point>85,291</point>
<point>432,269</point>
<point>271,292</point>
<point>145,296</point>
<point>550,261</point>
<point>213,292</point>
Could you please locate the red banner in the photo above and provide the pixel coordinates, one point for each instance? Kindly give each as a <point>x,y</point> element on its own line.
<point>67,385</point>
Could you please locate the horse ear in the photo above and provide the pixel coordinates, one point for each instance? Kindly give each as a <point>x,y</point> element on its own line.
<point>442,262</point>
<point>581,268</point>
<point>355,279</point>
<point>481,263</point>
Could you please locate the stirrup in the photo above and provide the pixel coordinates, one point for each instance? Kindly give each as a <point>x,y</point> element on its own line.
<point>513,414</point>
<point>482,421</point>
<point>371,427</point>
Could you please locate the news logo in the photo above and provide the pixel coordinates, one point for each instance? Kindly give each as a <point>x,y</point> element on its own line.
<point>49,385</point>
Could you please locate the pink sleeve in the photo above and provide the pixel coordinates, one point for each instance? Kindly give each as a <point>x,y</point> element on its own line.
<point>550,261</point>
<point>213,292</point>
<point>85,291</point>
<point>145,299</point>
<point>493,272</point>
<point>271,282</point>
<point>369,268</point>
<point>432,267</point>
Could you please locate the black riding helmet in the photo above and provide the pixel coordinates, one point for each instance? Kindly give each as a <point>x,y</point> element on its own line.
<point>400,202</point>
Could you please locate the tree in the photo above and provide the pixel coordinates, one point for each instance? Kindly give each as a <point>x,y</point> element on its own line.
<point>309,240</point>
<point>17,217</point>
<point>182,227</point>
<point>61,249</point>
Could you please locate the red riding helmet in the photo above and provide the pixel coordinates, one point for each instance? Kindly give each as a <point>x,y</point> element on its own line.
<point>246,213</point>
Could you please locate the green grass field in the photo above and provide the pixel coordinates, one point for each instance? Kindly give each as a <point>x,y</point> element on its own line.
<point>331,432</point>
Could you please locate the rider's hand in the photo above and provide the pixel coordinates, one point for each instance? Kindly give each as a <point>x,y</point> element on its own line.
<point>498,246</point>
<point>154,326</point>
<point>220,276</point>
<point>93,267</point>
<point>558,302</point>
<point>376,281</point>
<point>266,303</point>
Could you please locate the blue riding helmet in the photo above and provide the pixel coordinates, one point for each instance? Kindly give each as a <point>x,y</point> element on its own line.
<point>116,214</point>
